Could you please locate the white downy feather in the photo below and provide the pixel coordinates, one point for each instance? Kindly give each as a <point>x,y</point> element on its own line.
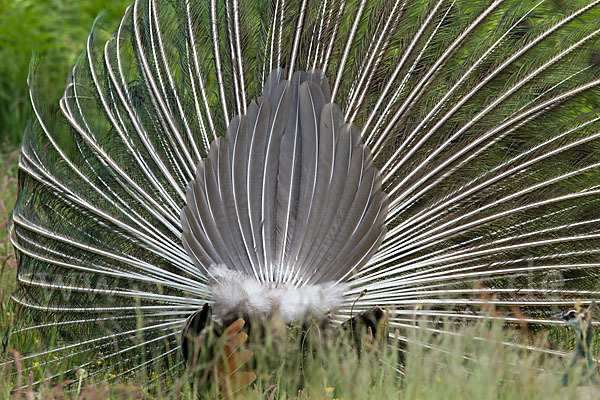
<point>235,292</point>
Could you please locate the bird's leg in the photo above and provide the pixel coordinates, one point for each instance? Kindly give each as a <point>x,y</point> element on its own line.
<point>220,351</point>
<point>231,358</point>
<point>368,324</point>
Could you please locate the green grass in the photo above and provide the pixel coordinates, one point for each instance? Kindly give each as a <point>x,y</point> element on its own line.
<point>439,370</point>
<point>55,32</point>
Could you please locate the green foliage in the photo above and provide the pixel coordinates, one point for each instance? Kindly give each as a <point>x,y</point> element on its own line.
<point>55,32</point>
<point>8,264</point>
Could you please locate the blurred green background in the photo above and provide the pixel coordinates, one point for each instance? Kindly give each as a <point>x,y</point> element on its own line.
<point>55,31</point>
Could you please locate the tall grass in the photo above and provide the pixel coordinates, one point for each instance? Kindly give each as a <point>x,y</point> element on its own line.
<point>55,32</point>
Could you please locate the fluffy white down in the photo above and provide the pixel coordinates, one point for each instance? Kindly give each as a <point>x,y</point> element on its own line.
<point>236,292</point>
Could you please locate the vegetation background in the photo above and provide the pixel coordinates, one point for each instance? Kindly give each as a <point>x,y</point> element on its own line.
<point>55,32</point>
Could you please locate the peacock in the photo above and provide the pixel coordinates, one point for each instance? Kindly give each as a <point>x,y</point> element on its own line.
<point>312,159</point>
<point>580,320</point>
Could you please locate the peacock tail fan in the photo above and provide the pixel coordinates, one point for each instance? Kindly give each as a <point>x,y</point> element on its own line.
<point>435,158</point>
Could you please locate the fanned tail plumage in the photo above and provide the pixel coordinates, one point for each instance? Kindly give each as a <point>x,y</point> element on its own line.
<point>441,154</point>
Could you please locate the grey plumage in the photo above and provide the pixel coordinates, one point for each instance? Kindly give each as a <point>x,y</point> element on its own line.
<point>313,200</point>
